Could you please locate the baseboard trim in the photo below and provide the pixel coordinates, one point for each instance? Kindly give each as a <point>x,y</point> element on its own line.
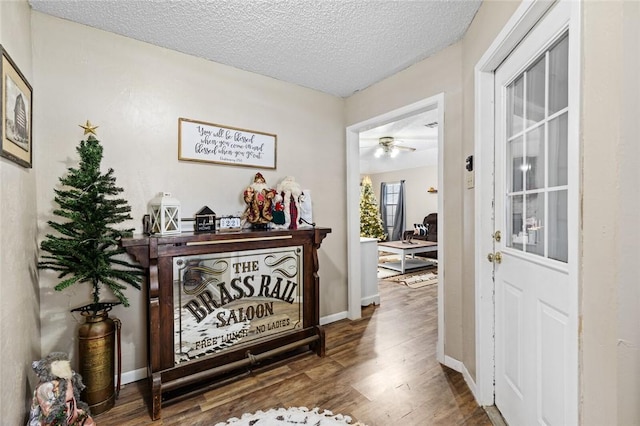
<point>470,382</point>
<point>333,318</point>
<point>459,366</point>
<point>134,376</point>
<point>453,363</point>
<point>366,301</point>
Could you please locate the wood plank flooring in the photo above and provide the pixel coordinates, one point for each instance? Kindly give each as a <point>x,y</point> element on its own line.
<point>380,370</point>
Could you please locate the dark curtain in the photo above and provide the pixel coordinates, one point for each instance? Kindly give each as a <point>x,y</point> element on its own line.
<point>383,206</point>
<point>398,223</point>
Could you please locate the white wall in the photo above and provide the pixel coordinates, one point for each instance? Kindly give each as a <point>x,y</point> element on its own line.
<point>419,202</point>
<point>434,75</point>
<point>628,249</point>
<point>449,71</point>
<point>610,291</point>
<point>486,25</point>
<point>135,92</point>
<point>19,303</point>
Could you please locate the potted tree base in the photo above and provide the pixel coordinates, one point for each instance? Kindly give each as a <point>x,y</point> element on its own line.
<point>86,251</point>
<point>97,339</point>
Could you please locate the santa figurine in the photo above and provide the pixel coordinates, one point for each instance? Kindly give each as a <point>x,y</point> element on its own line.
<point>56,399</point>
<point>289,193</point>
<point>259,199</point>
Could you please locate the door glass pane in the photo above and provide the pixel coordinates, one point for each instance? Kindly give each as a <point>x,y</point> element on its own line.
<point>535,93</point>
<point>536,166</point>
<point>533,165</point>
<point>558,226</point>
<point>515,106</point>
<point>558,151</point>
<point>515,155</point>
<point>515,233</point>
<point>558,76</point>
<point>534,224</point>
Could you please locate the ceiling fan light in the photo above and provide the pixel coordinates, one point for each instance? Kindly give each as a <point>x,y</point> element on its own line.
<point>394,152</point>
<point>378,153</point>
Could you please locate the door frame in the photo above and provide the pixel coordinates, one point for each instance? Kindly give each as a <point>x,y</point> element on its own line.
<point>353,203</point>
<point>522,21</point>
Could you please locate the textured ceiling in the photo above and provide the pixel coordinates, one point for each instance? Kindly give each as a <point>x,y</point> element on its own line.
<point>334,46</point>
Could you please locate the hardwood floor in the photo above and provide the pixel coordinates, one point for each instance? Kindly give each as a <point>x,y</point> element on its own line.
<point>380,370</point>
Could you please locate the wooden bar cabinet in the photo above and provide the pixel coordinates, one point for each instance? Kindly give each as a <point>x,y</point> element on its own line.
<point>220,304</point>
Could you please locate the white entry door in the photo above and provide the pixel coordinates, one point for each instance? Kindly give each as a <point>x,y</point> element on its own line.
<point>536,375</point>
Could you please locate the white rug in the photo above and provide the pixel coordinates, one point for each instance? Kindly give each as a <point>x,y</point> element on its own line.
<point>291,416</point>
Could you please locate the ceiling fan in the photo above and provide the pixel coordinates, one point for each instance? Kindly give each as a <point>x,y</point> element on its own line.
<point>389,148</point>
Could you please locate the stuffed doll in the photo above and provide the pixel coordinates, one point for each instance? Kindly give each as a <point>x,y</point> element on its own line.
<point>288,196</point>
<point>56,399</point>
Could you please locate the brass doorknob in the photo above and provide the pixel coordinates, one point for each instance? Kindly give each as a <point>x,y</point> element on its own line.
<point>497,236</point>
<point>495,257</point>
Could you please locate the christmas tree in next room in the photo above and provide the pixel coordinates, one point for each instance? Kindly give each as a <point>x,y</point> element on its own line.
<point>370,220</point>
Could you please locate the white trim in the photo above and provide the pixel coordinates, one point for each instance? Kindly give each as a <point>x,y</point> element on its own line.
<point>575,188</point>
<point>522,21</point>
<point>333,318</point>
<point>353,202</point>
<point>366,301</point>
<point>133,376</point>
<point>453,363</point>
<point>470,382</point>
<point>458,366</point>
<point>483,229</point>
<point>441,228</point>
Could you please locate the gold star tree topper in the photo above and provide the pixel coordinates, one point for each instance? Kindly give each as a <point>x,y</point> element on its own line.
<point>88,128</point>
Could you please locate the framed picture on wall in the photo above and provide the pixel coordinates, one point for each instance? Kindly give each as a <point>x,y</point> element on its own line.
<point>16,113</point>
<point>213,143</point>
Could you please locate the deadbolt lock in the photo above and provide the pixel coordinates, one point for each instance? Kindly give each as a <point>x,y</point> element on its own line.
<point>497,236</point>
<point>495,257</point>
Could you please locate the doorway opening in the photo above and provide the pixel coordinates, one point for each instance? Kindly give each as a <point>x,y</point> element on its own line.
<point>353,197</point>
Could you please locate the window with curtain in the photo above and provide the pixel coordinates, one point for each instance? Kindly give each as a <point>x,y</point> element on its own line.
<point>393,209</point>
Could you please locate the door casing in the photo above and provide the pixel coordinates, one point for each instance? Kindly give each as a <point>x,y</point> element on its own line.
<point>522,21</point>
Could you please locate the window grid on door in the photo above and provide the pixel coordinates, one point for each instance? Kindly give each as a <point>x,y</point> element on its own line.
<point>537,156</point>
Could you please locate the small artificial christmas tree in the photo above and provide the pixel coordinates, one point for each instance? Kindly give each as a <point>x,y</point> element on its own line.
<point>88,249</point>
<point>370,220</point>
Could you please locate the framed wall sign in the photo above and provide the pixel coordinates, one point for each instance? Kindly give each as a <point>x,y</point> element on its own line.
<point>213,143</point>
<point>16,114</point>
<point>224,299</point>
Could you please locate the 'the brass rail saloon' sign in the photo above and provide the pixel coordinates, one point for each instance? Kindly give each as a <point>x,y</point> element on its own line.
<point>225,299</point>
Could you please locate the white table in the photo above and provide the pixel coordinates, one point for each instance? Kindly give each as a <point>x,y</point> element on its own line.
<point>403,249</point>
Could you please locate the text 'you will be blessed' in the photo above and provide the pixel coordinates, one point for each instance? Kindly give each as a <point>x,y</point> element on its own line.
<point>228,145</point>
